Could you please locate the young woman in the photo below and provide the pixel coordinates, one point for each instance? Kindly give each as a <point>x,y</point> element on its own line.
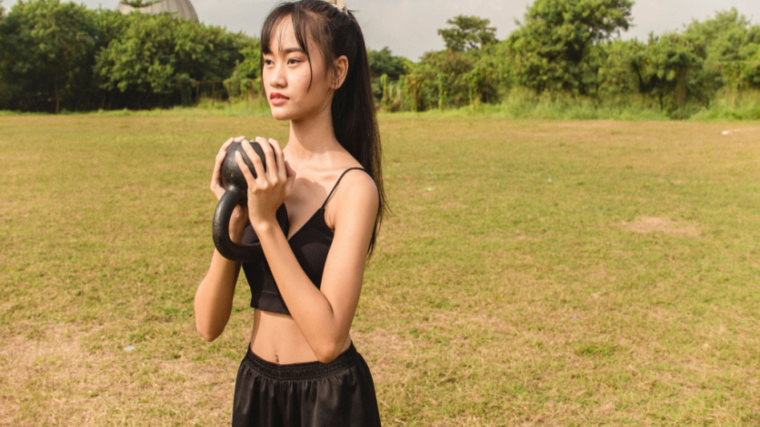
<point>301,367</point>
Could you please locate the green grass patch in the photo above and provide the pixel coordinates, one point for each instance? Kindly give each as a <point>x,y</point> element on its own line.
<point>532,272</point>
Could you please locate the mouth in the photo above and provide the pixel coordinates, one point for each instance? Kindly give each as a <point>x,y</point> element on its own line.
<point>277,98</point>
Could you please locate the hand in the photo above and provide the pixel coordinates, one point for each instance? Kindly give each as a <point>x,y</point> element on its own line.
<point>240,213</point>
<point>268,191</point>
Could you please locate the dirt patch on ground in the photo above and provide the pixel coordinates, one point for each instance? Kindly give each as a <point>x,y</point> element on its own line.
<point>652,224</point>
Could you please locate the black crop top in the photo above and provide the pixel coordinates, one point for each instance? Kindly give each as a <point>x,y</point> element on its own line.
<point>310,245</point>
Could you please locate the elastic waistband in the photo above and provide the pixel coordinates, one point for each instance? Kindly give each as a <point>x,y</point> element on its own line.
<point>302,371</point>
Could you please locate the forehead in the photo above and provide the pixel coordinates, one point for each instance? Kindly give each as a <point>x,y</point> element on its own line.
<point>283,35</point>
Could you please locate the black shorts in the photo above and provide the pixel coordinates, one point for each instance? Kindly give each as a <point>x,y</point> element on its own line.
<point>338,393</point>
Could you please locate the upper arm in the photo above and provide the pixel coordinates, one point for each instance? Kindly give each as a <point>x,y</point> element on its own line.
<point>353,213</point>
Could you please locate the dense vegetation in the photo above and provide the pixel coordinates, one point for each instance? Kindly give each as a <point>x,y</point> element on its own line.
<point>567,49</point>
<point>57,56</point>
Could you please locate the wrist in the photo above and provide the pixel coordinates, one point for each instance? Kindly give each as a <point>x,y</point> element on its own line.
<point>264,225</point>
<point>237,236</point>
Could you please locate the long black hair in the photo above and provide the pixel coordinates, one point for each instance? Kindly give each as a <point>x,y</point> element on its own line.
<point>337,33</point>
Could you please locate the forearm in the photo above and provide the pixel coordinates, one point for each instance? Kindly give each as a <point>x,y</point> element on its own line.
<point>309,308</point>
<point>213,299</point>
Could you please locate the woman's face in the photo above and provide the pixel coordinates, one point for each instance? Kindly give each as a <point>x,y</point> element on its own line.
<point>286,76</point>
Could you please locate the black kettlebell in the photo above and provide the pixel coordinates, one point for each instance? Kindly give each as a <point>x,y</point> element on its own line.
<point>236,190</point>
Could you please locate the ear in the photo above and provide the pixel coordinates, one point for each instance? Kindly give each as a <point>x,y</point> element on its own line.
<point>340,71</point>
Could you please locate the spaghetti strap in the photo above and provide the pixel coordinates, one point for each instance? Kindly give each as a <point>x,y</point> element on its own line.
<point>338,182</point>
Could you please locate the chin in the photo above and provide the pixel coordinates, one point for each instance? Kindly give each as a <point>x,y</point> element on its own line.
<point>278,114</point>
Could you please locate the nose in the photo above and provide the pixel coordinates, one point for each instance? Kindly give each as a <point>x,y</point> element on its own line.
<point>277,78</point>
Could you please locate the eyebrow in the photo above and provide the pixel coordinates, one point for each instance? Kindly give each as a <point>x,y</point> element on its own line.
<point>292,49</point>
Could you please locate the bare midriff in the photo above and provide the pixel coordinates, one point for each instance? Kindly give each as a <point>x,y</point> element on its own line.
<point>277,339</point>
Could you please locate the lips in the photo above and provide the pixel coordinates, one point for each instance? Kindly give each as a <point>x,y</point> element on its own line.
<point>277,98</point>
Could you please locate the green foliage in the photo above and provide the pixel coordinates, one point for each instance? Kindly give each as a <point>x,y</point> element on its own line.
<point>3,57</point>
<point>245,80</point>
<point>45,48</point>
<point>60,56</point>
<point>161,56</point>
<point>668,71</point>
<point>57,55</point>
<point>439,80</point>
<point>383,62</point>
<point>616,76</point>
<point>553,44</point>
<point>138,4</point>
<point>491,75</point>
<point>729,45</point>
<point>469,32</point>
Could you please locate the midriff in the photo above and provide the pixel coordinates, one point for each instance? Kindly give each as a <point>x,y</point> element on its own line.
<point>276,338</point>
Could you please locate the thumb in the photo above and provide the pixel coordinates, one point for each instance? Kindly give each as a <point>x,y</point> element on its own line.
<point>291,178</point>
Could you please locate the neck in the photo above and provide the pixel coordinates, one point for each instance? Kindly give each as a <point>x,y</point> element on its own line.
<point>312,137</point>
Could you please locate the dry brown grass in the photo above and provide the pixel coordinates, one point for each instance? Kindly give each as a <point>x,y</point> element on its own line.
<point>53,378</point>
<point>649,224</point>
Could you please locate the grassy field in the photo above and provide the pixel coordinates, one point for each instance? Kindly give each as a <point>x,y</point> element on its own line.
<point>532,272</point>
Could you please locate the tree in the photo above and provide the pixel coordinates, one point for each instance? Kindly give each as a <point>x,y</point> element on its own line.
<point>554,42</point>
<point>46,49</point>
<point>727,44</point>
<point>384,69</point>
<point>439,80</point>
<point>383,62</point>
<point>3,50</point>
<point>245,79</point>
<point>666,71</point>
<point>139,4</point>
<point>491,75</point>
<point>469,32</point>
<point>160,57</point>
<point>616,77</point>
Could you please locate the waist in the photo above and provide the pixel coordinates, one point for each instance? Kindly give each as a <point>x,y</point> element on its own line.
<point>277,339</point>
<point>302,371</point>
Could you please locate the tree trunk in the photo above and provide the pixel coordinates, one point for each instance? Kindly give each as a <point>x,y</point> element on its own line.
<point>57,97</point>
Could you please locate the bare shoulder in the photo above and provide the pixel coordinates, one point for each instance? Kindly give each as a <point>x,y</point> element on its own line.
<point>359,187</point>
<point>356,197</point>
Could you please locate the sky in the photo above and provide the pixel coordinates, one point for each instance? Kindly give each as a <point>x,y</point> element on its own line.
<point>409,27</point>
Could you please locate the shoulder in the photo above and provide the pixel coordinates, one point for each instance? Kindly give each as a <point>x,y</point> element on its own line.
<point>355,197</point>
<point>358,179</point>
<point>357,185</point>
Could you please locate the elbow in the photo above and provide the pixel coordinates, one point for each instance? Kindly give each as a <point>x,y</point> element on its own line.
<point>209,334</point>
<point>329,352</point>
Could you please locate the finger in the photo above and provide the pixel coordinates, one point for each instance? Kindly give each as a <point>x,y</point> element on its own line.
<point>290,170</point>
<point>216,173</point>
<point>223,151</point>
<point>269,156</point>
<point>240,138</point>
<point>249,179</point>
<point>282,171</point>
<point>290,180</point>
<point>258,167</point>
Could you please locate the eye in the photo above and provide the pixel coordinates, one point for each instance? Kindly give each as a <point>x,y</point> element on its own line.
<point>293,61</point>
<point>268,61</point>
